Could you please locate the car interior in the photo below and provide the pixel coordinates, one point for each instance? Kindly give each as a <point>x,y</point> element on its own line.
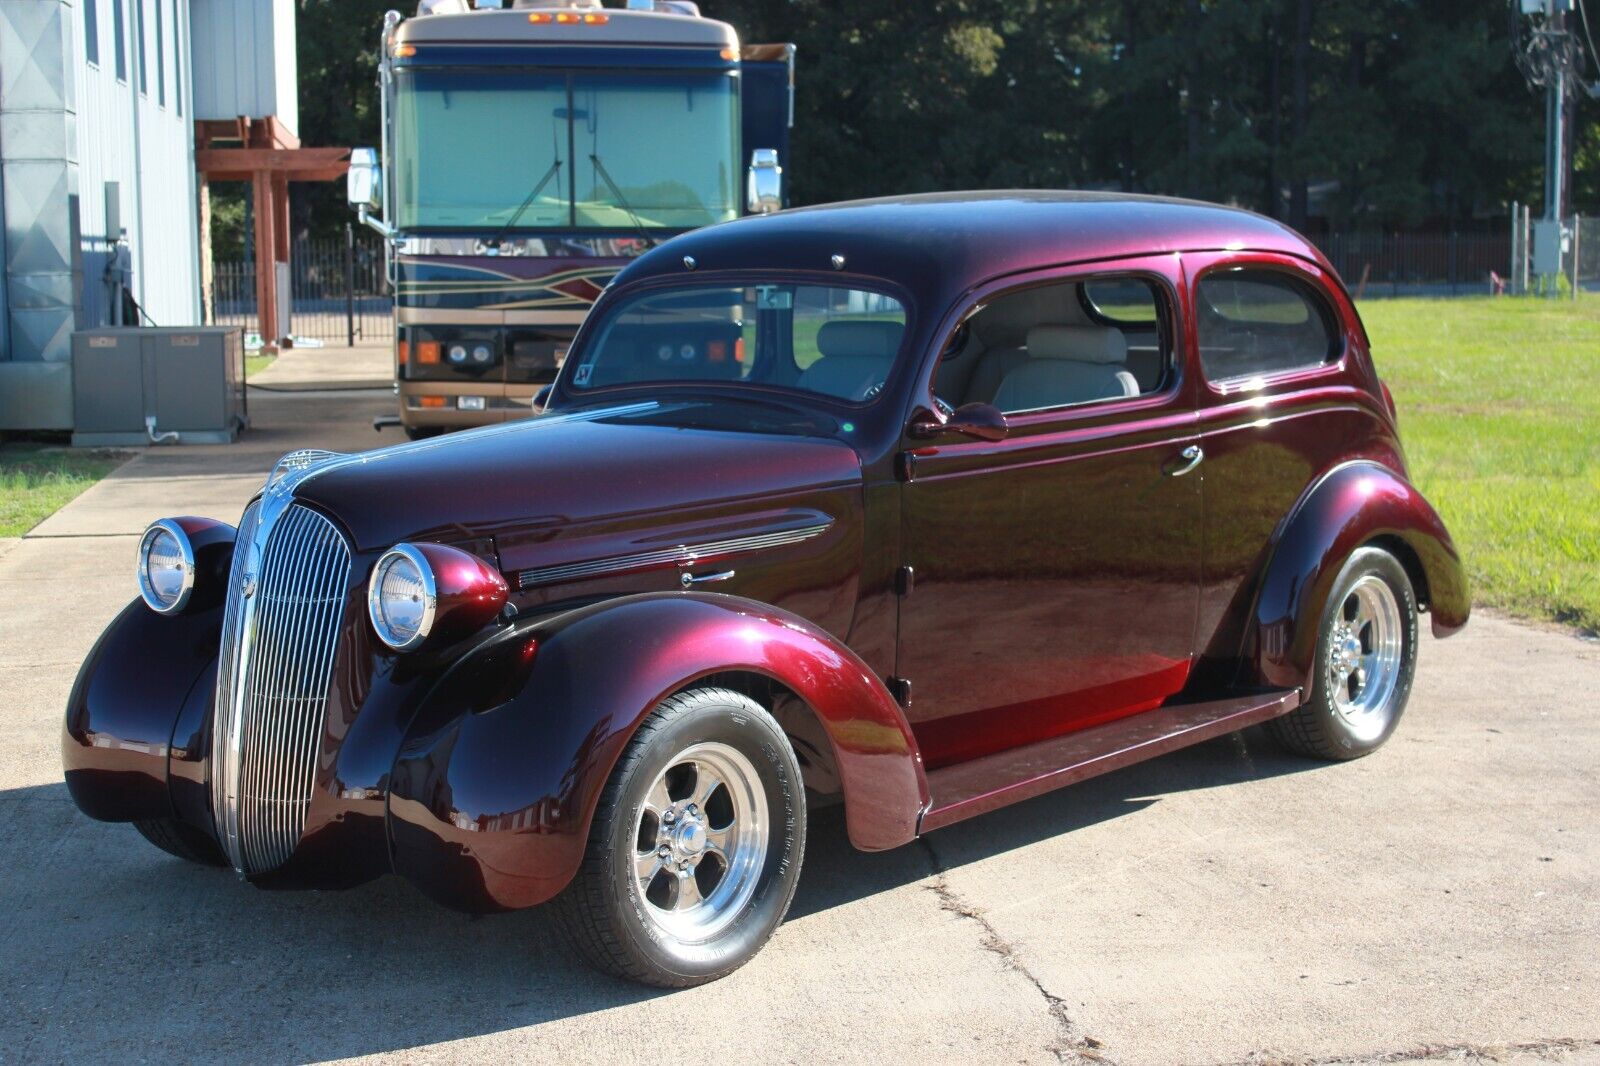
<point>1059,345</point>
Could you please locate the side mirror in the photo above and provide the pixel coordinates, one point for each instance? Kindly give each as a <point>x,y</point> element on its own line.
<point>764,183</point>
<point>980,421</point>
<point>363,183</point>
<point>542,397</point>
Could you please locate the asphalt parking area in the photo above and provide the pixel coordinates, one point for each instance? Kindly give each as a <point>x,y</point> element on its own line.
<point>1440,899</point>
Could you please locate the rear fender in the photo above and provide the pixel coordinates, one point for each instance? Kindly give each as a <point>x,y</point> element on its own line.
<point>497,782</point>
<point>1352,505</point>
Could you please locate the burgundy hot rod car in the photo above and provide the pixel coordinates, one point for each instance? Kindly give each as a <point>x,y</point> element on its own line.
<point>928,505</point>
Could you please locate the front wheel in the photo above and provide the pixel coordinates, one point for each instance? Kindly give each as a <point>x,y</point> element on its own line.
<point>1366,656</point>
<point>695,849</point>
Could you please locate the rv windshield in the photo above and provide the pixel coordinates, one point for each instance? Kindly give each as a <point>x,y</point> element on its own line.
<point>507,149</point>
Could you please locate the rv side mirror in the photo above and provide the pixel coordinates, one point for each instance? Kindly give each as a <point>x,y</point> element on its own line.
<point>363,183</point>
<point>764,185</point>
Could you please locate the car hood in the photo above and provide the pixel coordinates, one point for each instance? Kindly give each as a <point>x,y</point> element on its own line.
<point>551,489</point>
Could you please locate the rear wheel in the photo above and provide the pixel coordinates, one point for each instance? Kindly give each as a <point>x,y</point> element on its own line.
<point>695,849</point>
<point>184,841</point>
<point>1366,656</point>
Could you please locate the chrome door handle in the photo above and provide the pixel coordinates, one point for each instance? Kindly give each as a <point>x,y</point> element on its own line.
<point>688,580</point>
<point>1191,458</point>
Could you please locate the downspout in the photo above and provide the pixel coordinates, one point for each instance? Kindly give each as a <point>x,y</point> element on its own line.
<point>136,22</point>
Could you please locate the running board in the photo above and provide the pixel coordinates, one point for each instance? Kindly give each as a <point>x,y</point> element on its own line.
<point>993,781</point>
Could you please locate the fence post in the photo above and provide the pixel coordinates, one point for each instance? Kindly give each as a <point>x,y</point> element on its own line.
<point>1577,226</point>
<point>350,285</point>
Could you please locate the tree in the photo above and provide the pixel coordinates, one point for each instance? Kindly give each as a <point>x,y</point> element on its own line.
<point>1356,113</point>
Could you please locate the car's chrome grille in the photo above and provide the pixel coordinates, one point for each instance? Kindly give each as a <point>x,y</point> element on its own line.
<point>286,598</point>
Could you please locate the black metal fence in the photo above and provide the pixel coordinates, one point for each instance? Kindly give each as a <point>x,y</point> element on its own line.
<point>340,294</point>
<point>1418,264</point>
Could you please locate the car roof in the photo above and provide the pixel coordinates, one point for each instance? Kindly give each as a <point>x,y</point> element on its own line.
<point>943,243</point>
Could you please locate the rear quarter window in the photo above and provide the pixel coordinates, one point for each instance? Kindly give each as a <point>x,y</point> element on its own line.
<point>1253,323</point>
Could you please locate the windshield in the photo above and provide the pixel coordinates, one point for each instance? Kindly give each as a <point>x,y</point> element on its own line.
<point>838,342</point>
<point>497,149</point>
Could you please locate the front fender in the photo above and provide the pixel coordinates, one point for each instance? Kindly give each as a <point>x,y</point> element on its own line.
<point>1352,505</point>
<point>124,705</point>
<point>495,786</point>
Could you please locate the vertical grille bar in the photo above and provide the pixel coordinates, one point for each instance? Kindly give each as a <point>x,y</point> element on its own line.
<point>279,642</point>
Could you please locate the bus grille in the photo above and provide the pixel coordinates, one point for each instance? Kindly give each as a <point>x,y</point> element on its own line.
<point>279,633</point>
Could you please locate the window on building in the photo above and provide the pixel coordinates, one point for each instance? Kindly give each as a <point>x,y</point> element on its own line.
<point>119,38</point>
<point>1257,322</point>
<point>161,57</point>
<point>91,31</point>
<point>177,59</point>
<point>138,38</point>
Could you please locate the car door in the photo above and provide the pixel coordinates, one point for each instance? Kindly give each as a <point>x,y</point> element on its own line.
<point>1053,575</point>
<point>1277,408</point>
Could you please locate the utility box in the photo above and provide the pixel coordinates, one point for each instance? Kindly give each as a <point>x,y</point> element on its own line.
<point>147,386</point>
<point>1549,246</point>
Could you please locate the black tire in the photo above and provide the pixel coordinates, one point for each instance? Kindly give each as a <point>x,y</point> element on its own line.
<point>421,432</point>
<point>604,911</point>
<point>184,841</point>
<point>1317,729</point>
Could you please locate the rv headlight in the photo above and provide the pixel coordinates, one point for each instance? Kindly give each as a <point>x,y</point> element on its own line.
<point>402,597</point>
<point>165,567</point>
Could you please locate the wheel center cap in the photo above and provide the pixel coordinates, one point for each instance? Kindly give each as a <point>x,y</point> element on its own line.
<point>689,838</point>
<point>1351,649</point>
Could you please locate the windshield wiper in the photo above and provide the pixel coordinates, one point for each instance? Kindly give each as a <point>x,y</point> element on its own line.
<point>500,236</point>
<point>622,201</point>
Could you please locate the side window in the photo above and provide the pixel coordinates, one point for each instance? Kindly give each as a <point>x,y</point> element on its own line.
<point>1060,345</point>
<point>1257,322</point>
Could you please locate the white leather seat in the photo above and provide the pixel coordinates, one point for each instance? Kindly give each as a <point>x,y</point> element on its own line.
<point>1068,365</point>
<point>992,368</point>
<point>855,357</point>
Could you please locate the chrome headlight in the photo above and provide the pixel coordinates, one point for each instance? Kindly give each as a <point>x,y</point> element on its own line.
<point>402,597</point>
<point>166,567</point>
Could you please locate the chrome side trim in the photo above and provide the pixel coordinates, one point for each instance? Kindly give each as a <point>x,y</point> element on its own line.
<point>680,555</point>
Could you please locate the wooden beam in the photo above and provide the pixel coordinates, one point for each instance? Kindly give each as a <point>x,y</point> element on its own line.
<point>297,164</point>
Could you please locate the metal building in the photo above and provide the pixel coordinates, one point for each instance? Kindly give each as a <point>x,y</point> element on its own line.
<point>99,196</point>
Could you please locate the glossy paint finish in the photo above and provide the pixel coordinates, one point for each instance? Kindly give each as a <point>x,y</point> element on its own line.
<point>1056,572</point>
<point>124,704</point>
<point>212,542</point>
<point>469,593</point>
<point>982,785</point>
<point>1120,611</point>
<point>490,804</point>
<point>1356,503</point>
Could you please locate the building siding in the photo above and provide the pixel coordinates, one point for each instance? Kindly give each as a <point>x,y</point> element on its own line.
<point>244,60</point>
<point>128,137</point>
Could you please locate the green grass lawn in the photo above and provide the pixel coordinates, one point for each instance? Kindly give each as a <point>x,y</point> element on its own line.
<point>254,364</point>
<point>1499,405</point>
<point>36,481</point>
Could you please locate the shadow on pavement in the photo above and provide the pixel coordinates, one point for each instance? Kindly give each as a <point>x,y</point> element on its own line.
<point>113,946</point>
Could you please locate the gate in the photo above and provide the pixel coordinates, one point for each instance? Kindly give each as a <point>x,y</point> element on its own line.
<point>340,292</point>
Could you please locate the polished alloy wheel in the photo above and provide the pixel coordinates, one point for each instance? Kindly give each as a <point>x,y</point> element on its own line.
<point>700,841</point>
<point>1366,644</point>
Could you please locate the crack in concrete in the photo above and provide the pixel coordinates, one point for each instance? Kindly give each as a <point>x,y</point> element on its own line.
<point>1554,1050</point>
<point>1070,1045</point>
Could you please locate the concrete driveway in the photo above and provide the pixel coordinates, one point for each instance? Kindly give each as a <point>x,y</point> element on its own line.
<point>1439,900</point>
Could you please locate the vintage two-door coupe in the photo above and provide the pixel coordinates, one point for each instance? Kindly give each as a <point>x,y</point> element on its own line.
<point>928,505</point>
